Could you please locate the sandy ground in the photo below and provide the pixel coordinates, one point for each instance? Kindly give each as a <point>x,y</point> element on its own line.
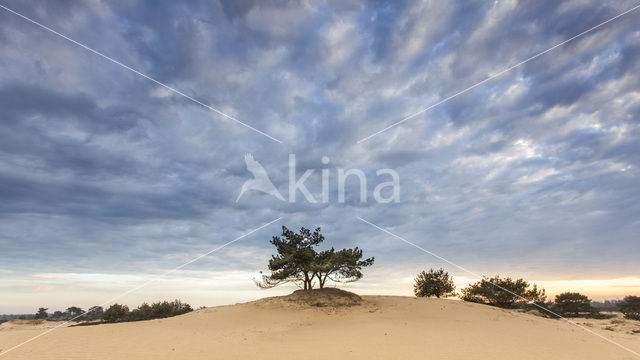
<point>382,327</point>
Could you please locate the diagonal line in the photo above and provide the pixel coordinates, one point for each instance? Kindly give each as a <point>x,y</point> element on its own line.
<point>495,76</point>
<point>157,277</point>
<point>498,286</point>
<point>139,73</point>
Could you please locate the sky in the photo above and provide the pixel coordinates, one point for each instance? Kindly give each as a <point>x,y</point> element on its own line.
<point>109,179</point>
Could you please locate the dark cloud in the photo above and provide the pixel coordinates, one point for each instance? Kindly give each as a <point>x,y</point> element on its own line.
<point>234,9</point>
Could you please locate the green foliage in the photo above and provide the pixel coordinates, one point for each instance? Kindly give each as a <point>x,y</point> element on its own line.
<point>295,258</point>
<point>504,293</point>
<point>142,312</point>
<point>339,266</point>
<point>58,315</point>
<point>436,283</point>
<point>630,307</point>
<point>157,310</point>
<point>94,312</point>
<point>41,314</point>
<point>297,261</point>
<point>163,309</point>
<point>573,304</point>
<point>74,312</point>
<point>115,313</point>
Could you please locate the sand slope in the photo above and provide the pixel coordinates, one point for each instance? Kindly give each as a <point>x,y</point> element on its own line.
<point>382,327</point>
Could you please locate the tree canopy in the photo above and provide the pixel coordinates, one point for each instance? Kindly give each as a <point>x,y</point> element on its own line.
<point>505,293</point>
<point>157,310</point>
<point>436,283</point>
<point>630,307</point>
<point>298,261</point>
<point>573,304</point>
<point>41,314</point>
<point>74,312</point>
<point>115,312</point>
<point>94,312</point>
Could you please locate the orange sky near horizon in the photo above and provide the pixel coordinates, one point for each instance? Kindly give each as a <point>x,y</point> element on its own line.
<point>58,291</point>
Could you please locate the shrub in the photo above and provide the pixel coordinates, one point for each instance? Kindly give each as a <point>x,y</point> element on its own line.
<point>142,312</point>
<point>94,312</point>
<point>166,309</point>
<point>58,315</point>
<point>573,304</point>
<point>504,293</point>
<point>436,283</point>
<point>160,309</point>
<point>41,314</point>
<point>115,313</point>
<point>74,312</point>
<point>630,307</point>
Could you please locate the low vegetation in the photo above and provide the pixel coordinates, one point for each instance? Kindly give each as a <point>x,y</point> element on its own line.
<point>509,294</point>
<point>117,313</point>
<point>41,314</point>
<point>436,283</point>
<point>630,307</point>
<point>573,304</point>
<point>327,297</point>
<point>503,292</point>
<point>71,313</point>
<point>157,310</point>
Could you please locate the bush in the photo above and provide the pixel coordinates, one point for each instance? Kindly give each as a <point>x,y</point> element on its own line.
<point>142,312</point>
<point>160,309</point>
<point>504,293</point>
<point>157,310</point>
<point>58,315</point>
<point>94,313</point>
<point>573,304</point>
<point>630,307</point>
<point>166,309</point>
<point>41,314</point>
<point>436,283</point>
<point>75,313</point>
<point>115,313</point>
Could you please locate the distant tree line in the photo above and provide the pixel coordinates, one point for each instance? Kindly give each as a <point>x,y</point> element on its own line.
<point>630,307</point>
<point>607,305</point>
<point>157,310</point>
<point>118,312</point>
<point>72,312</point>
<point>509,293</point>
<point>7,317</point>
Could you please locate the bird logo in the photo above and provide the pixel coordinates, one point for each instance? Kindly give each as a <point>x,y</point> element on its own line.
<point>260,181</point>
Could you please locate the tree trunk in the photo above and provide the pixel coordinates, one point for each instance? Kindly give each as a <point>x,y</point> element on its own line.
<point>307,282</point>
<point>324,279</point>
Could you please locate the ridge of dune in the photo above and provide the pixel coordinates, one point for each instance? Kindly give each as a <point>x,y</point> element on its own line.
<point>379,327</point>
<point>327,297</point>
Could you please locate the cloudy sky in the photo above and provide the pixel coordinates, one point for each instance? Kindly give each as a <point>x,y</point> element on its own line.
<point>108,179</point>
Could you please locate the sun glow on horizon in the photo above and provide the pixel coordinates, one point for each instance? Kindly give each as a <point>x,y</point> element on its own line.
<point>205,288</point>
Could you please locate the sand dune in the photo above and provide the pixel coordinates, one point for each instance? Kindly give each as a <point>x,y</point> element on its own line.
<point>381,327</point>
